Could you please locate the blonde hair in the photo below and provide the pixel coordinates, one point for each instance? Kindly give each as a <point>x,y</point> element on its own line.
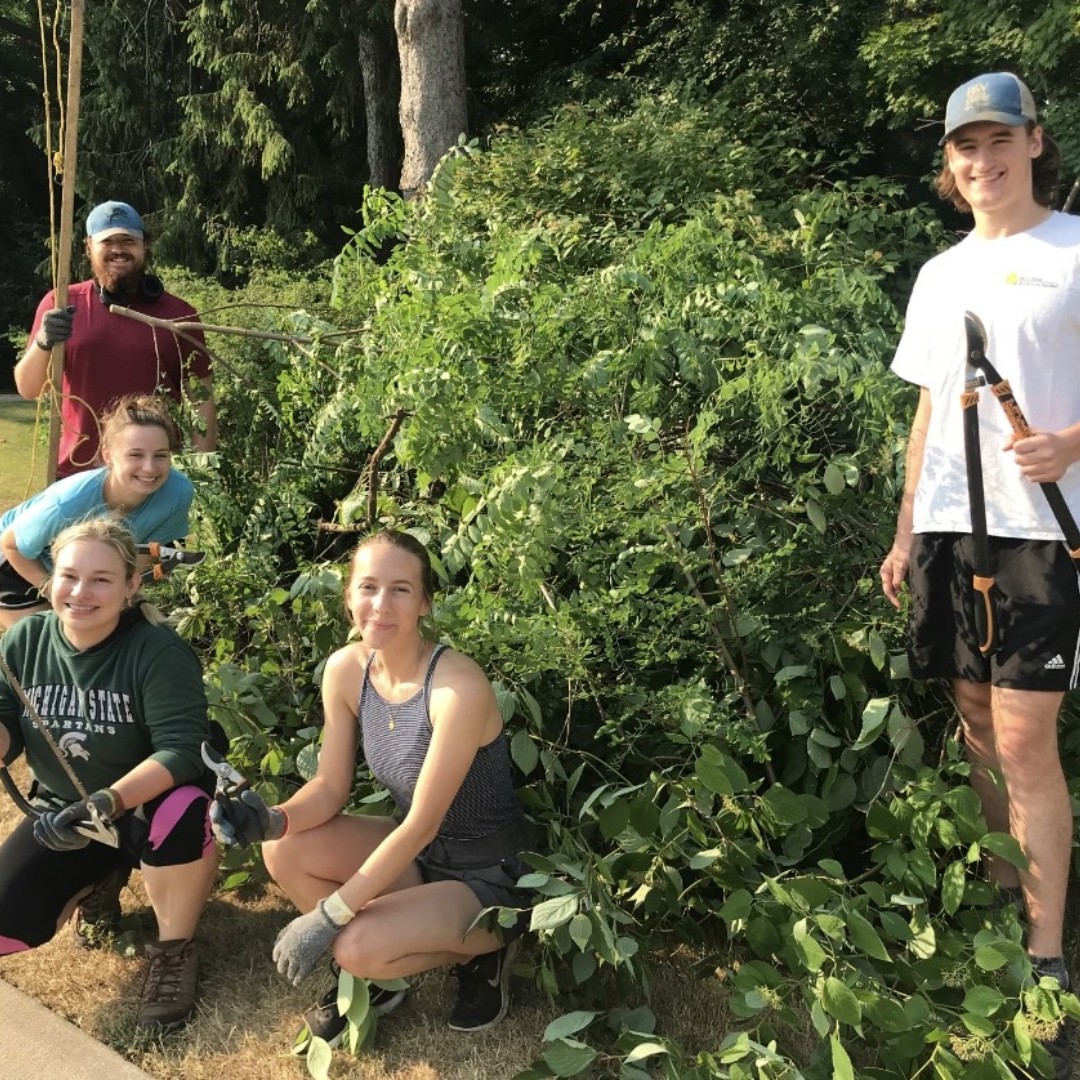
<point>111,531</point>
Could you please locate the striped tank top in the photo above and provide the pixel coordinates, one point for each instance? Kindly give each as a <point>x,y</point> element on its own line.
<point>395,738</point>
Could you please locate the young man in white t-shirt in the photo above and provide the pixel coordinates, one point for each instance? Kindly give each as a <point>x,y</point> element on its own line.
<point>1019,272</point>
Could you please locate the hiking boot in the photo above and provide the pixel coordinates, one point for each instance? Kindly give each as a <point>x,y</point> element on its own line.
<point>97,918</point>
<point>323,1021</point>
<point>483,995</point>
<point>168,992</point>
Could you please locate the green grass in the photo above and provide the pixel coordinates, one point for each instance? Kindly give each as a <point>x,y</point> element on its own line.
<point>22,457</point>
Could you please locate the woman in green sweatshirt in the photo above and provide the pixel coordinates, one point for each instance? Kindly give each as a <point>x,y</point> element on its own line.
<point>121,697</point>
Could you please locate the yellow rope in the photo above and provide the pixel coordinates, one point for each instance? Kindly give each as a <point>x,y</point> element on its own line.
<point>53,162</point>
<point>54,168</point>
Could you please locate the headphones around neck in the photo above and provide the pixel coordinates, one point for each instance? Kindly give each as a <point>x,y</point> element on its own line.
<point>150,290</point>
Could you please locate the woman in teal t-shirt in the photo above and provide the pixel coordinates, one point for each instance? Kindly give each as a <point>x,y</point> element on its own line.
<point>137,483</point>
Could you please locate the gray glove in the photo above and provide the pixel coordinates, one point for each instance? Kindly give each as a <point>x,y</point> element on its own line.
<point>55,829</point>
<point>245,820</point>
<point>300,945</point>
<point>55,327</point>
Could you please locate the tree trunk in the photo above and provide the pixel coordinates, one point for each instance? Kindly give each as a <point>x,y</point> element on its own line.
<point>431,51</point>
<point>378,69</point>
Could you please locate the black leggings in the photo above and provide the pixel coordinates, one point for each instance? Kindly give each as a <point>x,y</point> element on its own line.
<point>36,883</point>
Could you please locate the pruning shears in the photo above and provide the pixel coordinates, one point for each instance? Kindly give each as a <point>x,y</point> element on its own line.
<point>230,781</point>
<point>98,828</point>
<point>165,558</point>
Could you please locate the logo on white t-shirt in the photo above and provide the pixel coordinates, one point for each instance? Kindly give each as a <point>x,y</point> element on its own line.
<point>1013,278</point>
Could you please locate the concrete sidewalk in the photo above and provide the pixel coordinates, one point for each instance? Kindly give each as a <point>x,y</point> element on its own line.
<point>39,1045</point>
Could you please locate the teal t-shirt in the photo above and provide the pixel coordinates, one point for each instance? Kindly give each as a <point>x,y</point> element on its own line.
<point>162,516</point>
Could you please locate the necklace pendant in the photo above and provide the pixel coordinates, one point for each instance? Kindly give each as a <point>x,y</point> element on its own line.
<point>390,724</point>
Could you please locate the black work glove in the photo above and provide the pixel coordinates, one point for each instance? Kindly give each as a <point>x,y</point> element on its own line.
<point>55,327</point>
<point>245,820</point>
<point>55,829</point>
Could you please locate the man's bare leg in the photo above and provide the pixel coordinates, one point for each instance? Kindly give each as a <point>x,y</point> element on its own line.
<point>1020,740</point>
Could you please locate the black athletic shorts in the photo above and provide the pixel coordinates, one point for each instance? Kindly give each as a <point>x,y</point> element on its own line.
<point>490,866</point>
<point>1036,608</point>
<point>16,593</point>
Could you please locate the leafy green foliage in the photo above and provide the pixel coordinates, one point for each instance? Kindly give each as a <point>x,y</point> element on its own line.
<point>649,434</point>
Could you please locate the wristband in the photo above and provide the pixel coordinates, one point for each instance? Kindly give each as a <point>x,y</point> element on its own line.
<point>337,911</point>
<point>42,346</point>
<point>115,804</point>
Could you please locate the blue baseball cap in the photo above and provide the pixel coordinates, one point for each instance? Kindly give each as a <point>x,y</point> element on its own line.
<point>999,97</point>
<point>113,217</point>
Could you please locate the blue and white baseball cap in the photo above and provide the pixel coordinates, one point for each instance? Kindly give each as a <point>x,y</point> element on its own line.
<point>999,97</point>
<point>113,217</point>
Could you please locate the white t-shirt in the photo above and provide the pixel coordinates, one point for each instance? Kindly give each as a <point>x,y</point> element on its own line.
<point>1026,290</point>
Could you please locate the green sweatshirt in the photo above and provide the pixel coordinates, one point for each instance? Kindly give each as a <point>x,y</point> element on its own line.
<point>136,695</point>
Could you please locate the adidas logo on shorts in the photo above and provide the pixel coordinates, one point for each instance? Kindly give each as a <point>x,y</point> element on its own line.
<point>1054,664</point>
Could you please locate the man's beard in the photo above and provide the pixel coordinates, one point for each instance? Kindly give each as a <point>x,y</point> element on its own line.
<point>120,278</point>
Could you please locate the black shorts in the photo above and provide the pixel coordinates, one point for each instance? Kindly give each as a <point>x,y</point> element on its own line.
<point>36,883</point>
<point>16,593</point>
<point>490,866</point>
<point>1036,608</point>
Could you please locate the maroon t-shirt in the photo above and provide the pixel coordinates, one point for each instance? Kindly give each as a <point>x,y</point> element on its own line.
<point>109,355</point>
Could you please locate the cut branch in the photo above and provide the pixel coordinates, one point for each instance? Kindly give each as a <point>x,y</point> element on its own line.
<point>237,331</point>
<point>373,464</point>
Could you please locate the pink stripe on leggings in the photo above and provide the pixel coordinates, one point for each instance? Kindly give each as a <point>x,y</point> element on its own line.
<point>9,945</point>
<point>171,811</point>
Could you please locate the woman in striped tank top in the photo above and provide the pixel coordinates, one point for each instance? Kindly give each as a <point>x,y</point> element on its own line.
<point>393,896</point>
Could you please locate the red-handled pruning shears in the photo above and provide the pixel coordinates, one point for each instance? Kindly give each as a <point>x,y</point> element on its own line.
<point>164,558</point>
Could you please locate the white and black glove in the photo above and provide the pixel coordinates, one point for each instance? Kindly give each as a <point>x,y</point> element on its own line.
<point>55,327</point>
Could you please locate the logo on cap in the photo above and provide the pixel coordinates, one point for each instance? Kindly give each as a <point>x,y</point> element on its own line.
<point>978,98</point>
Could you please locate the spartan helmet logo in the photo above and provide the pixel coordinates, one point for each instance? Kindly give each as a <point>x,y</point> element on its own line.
<point>977,99</point>
<point>71,745</point>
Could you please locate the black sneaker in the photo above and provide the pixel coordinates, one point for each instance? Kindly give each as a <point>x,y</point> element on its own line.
<point>323,1021</point>
<point>97,918</point>
<point>483,996</point>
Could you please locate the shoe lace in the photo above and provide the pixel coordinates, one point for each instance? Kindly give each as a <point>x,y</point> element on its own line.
<point>164,977</point>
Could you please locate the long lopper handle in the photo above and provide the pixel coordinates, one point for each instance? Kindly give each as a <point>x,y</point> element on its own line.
<point>1058,506</point>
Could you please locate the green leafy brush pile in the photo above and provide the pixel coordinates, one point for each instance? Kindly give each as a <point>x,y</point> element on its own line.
<point>637,376</point>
